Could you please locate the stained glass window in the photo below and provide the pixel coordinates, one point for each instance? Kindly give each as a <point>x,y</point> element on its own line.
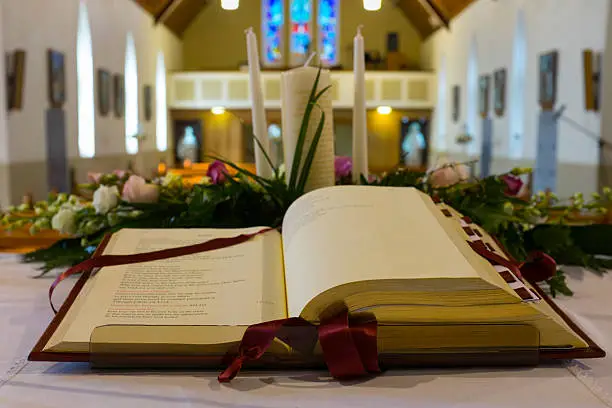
<point>274,18</point>
<point>328,31</point>
<point>301,29</point>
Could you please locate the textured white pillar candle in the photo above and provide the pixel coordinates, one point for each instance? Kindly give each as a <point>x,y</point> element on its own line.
<point>360,126</point>
<point>258,113</point>
<point>296,86</point>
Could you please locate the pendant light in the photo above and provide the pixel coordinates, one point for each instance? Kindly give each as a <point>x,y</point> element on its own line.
<point>372,5</point>
<point>230,4</point>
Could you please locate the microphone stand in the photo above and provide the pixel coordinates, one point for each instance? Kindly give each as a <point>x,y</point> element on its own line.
<point>604,176</point>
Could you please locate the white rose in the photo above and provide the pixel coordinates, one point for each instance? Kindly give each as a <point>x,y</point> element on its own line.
<point>64,221</point>
<point>105,199</point>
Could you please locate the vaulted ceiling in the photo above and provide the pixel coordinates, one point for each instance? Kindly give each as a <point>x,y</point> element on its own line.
<point>426,15</point>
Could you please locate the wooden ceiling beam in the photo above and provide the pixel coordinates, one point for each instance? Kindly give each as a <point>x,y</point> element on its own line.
<point>438,12</point>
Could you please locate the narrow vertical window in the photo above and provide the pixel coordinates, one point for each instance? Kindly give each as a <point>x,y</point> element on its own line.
<point>161,134</point>
<point>131,96</point>
<point>273,14</point>
<point>517,89</point>
<point>300,43</point>
<point>472,98</point>
<point>85,86</point>
<point>441,109</point>
<point>328,24</point>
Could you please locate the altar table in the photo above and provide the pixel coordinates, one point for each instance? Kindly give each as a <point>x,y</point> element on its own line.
<point>25,313</point>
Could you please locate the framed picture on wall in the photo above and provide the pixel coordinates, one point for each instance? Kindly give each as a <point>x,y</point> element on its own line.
<point>57,78</point>
<point>484,86</point>
<point>499,92</point>
<point>119,94</point>
<point>456,111</point>
<point>104,92</point>
<point>15,78</point>
<point>548,80</point>
<point>148,102</point>
<point>592,79</point>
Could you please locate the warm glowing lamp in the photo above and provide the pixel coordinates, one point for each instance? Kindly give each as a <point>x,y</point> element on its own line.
<point>218,110</point>
<point>187,164</point>
<point>384,110</point>
<point>372,5</point>
<point>231,4</point>
<point>162,168</point>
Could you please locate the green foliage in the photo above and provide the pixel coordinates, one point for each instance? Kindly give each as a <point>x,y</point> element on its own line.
<point>249,200</point>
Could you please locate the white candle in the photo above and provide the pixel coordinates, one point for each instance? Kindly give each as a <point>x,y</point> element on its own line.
<point>360,127</point>
<point>258,113</point>
<point>296,86</point>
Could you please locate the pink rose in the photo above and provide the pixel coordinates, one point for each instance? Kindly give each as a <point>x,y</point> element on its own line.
<point>514,184</point>
<point>120,173</point>
<point>217,172</point>
<point>136,190</point>
<point>448,175</point>
<point>94,177</point>
<point>343,167</point>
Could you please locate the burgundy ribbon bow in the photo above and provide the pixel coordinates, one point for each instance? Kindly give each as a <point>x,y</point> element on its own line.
<point>349,350</point>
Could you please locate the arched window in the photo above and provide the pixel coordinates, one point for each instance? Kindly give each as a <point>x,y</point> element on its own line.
<point>85,86</point>
<point>131,96</point>
<point>441,108</point>
<point>517,89</point>
<point>472,97</point>
<point>161,133</point>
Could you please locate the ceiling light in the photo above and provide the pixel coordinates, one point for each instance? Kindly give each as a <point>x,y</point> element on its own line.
<point>372,5</point>
<point>230,4</point>
<point>218,110</point>
<point>384,110</point>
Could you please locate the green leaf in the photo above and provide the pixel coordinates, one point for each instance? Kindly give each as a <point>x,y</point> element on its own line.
<point>310,155</point>
<point>265,153</point>
<point>558,284</point>
<point>299,146</point>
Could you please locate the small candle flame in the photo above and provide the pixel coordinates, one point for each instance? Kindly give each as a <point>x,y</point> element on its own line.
<point>359,28</point>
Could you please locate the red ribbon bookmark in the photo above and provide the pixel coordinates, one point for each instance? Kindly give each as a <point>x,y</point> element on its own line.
<point>116,260</point>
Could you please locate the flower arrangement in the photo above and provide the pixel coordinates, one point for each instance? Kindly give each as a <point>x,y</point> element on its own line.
<point>537,227</point>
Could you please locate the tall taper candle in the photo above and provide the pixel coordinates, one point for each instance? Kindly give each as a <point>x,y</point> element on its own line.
<point>260,127</point>
<point>360,127</point>
<point>296,85</point>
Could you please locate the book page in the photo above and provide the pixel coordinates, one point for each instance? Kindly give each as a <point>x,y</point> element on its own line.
<point>340,235</point>
<point>239,285</point>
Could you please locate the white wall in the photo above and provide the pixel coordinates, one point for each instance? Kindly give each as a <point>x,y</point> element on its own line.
<point>4,154</point>
<point>568,26</point>
<point>36,25</point>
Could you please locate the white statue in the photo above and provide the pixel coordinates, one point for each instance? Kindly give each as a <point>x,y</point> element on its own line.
<point>413,145</point>
<point>188,146</point>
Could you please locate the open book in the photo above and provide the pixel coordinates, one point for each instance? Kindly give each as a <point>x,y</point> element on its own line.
<point>388,252</point>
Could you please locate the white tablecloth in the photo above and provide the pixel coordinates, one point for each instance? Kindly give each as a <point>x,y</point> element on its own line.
<point>25,313</point>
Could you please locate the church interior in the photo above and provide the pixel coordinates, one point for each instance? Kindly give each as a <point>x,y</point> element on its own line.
<point>152,85</point>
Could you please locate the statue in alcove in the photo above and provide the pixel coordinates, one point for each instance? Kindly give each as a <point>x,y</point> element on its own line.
<point>413,145</point>
<point>187,149</point>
